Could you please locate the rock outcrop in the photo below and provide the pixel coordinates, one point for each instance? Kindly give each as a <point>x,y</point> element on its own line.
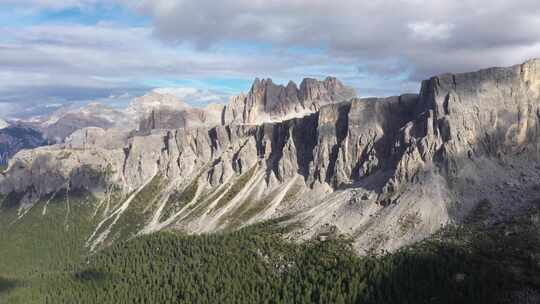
<point>165,118</point>
<point>467,138</point>
<point>493,113</point>
<point>92,137</point>
<point>384,171</point>
<point>267,101</point>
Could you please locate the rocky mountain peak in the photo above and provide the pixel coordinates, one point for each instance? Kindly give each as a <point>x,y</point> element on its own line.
<point>329,90</point>
<point>261,84</point>
<point>530,72</point>
<point>291,86</point>
<point>165,112</point>
<point>267,101</point>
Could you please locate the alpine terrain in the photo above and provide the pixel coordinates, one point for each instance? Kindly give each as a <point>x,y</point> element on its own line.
<point>287,194</point>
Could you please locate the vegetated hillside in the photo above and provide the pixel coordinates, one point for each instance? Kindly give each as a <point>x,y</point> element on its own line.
<point>43,241</point>
<point>473,263</point>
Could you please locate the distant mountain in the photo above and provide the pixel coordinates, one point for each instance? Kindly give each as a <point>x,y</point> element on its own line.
<point>63,123</point>
<point>267,102</point>
<point>164,111</point>
<point>151,111</point>
<point>15,138</point>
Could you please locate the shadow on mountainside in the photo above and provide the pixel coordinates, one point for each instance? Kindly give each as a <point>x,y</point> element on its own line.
<point>478,262</point>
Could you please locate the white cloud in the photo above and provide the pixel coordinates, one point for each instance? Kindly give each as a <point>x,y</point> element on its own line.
<point>380,47</point>
<point>178,92</point>
<point>70,62</point>
<point>417,32</point>
<point>426,30</point>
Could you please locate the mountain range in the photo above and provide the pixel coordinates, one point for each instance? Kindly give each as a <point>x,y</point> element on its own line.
<point>287,194</point>
<point>386,172</point>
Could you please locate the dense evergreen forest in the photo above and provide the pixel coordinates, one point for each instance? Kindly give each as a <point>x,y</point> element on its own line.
<point>42,262</point>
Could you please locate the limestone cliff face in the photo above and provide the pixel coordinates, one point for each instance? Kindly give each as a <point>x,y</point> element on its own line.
<point>385,171</point>
<point>355,139</point>
<point>267,101</point>
<point>162,118</point>
<point>459,118</point>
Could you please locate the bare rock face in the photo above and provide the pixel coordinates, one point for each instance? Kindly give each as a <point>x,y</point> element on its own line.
<point>63,123</point>
<point>165,118</point>
<point>267,101</point>
<point>492,113</point>
<point>385,171</point>
<point>50,169</point>
<point>356,138</point>
<point>315,93</point>
<point>93,137</point>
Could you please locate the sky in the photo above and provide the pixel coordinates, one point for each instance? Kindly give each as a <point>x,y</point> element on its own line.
<point>59,52</point>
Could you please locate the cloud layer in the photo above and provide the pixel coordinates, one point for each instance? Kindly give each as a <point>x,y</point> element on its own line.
<point>63,51</point>
<point>430,36</point>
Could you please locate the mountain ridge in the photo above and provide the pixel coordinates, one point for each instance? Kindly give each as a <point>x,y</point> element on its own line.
<point>385,171</point>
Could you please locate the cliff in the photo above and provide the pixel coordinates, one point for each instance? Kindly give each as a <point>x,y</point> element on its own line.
<point>267,101</point>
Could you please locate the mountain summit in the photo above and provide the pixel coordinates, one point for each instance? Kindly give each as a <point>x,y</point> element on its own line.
<point>267,101</point>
